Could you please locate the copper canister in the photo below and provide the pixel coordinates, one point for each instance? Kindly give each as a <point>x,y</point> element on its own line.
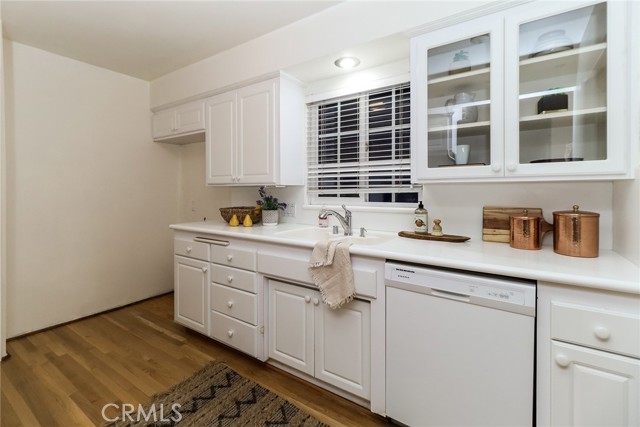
<point>527,231</point>
<point>576,233</point>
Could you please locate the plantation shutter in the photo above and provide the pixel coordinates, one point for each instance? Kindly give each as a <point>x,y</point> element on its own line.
<point>360,143</point>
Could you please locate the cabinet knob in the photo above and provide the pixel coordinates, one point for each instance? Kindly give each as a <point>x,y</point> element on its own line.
<point>511,167</point>
<point>316,301</point>
<point>496,167</point>
<point>189,249</point>
<point>602,333</point>
<point>562,360</point>
<point>230,333</point>
<point>229,278</point>
<point>229,304</point>
<point>204,269</point>
<point>307,298</point>
<point>229,257</point>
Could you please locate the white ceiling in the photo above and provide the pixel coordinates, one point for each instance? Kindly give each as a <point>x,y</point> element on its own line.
<point>147,39</point>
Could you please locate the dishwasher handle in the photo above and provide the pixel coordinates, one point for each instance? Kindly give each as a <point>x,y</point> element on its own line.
<point>450,295</point>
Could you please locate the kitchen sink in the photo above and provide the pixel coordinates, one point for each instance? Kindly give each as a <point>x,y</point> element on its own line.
<point>318,234</point>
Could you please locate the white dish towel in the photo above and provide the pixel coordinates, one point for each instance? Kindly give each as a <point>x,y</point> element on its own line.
<point>330,268</point>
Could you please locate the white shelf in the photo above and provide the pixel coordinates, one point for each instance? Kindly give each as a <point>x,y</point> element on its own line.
<point>462,127</point>
<point>560,118</point>
<point>468,81</point>
<point>575,62</point>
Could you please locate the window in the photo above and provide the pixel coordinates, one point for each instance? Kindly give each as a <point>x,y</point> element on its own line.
<point>359,148</point>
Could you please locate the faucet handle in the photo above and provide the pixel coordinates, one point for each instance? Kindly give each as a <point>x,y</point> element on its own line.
<point>346,211</point>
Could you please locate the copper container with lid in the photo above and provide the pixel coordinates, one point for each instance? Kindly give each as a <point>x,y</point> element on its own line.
<point>576,233</point>
<point>527,231</point>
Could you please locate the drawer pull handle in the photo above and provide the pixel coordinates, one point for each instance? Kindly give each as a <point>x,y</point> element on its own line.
<point>229,304</point>
<point>189,249</point>
<point>562,360</point>
<point>316,301</point>
<point>602,333</point>
<point>307,298</point>
<point>211,241</point>
<point>229,258</point>
<point>230,333</point>
<point>204,269</point>
<point>229,278</point>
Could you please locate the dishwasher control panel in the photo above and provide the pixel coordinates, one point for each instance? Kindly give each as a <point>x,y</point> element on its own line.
<point>462,286</point>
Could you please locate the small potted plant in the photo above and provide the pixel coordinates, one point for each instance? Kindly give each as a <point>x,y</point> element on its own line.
<point>460,62</point>
<point>269,206</point>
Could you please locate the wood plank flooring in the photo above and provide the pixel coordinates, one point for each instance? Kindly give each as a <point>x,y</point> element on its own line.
<point>65,375</point>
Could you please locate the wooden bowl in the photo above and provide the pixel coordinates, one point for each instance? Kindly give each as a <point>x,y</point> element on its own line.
<point>240,212</point>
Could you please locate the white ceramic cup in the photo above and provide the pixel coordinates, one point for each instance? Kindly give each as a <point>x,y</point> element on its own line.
<point>462,154</point>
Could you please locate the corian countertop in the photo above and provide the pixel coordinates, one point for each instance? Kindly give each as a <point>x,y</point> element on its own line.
<point>608,271</point>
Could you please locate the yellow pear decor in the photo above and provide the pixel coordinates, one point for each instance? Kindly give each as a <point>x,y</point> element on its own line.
<point>247,221</point>
<point>234,221</point>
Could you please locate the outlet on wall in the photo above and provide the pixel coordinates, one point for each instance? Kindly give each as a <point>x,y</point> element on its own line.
<point>290,210</point>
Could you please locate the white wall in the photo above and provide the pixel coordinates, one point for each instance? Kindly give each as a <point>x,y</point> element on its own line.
<point>3,225</point>
<point>197,200</point>
<point>89,195</point>
<point>340,27</point>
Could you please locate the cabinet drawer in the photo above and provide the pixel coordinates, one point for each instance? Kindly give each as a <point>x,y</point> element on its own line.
<point>295,267</point>
<point>236,278</point>
<point>234,333</point>
<point>232,302</point>
<point>191,249</point>
<point>239,258</point>
<point>612,331</point>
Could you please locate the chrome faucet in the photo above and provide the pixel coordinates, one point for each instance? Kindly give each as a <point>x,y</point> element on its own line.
<point>345,220</point>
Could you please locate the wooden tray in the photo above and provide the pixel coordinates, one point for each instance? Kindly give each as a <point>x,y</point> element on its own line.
<point>444,238</point>
<point>495,222</point>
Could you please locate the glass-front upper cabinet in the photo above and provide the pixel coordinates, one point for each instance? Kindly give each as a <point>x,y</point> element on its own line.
<point>565,91</point>
<point>540,91</point>
<point>457,102</point>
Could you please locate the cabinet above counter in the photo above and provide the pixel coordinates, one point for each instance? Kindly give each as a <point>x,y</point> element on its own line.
<point>254,133</point>
<point>609,271</point>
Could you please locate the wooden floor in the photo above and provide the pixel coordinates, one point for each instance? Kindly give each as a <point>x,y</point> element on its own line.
<point>64,376</point>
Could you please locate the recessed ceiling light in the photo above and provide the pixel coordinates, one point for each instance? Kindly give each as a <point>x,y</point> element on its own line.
<point>347,62</point>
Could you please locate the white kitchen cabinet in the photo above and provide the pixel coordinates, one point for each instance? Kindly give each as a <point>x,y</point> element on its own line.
<point>330,345</point>
<point>588,357</point>
<point>235,298</point>
<point>191,286</point>
<point>543,99</point>
<point>180,125</point>
<point>593,388</point>
<point>255,135</point>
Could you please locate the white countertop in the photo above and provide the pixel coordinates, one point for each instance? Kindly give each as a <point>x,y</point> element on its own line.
<point>608,271</point>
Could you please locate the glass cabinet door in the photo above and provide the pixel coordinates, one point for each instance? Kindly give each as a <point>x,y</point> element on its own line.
<point>561,91</point>
<point>457,124</point>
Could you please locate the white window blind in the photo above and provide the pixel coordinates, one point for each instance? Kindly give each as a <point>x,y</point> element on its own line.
<point>358,146</point>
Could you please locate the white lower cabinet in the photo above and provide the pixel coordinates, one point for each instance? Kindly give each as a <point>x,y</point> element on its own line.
<point>588,357</point>
<point>191,285</point>
<point>235,315</point>
<point>593,388</point>
<point>330,345</point>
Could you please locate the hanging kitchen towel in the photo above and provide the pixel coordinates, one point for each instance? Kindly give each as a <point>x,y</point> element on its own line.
<point>330,268</point>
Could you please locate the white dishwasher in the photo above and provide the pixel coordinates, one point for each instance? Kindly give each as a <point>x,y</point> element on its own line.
<point>460,348</point>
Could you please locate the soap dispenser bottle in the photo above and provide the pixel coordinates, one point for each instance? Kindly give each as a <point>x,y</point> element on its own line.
<point>421,219</point>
